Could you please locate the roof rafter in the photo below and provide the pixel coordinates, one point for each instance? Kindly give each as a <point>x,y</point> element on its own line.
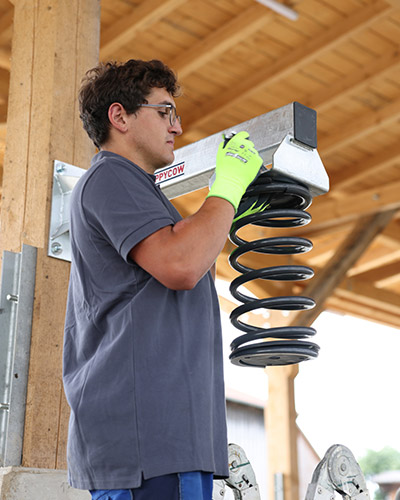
<point>360,310</point>
<point>374,262</point>
<point>125,29</point>
<point>369,295</point>
<point>328,211</point>
<point>289,63</point>
<point>5,59</point>
<point>382,276</point>
<point>328,278</point>
<point>6,26</point>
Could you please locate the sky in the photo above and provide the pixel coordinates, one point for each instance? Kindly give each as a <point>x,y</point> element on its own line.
<point>349,394</point>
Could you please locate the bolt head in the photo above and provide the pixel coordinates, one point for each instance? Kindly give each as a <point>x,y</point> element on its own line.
<point>56,248</point>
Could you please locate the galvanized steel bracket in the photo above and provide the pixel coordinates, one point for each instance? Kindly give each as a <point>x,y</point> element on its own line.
<point>16,305</point>
<point>65,176</point>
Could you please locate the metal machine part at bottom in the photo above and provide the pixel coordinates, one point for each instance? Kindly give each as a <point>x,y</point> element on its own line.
<point>338,472</point>
<point>241,480</point>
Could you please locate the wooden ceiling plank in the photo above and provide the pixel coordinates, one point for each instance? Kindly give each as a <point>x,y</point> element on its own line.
<point>354,82</point>
<point>221,40</point>
<point>126,28</point>
<point>325,282</point>
<point>347,178</point>
<point>293,61</point>
<point>360,127</point>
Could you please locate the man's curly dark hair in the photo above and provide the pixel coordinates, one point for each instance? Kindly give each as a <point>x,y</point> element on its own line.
<point>128,83</point>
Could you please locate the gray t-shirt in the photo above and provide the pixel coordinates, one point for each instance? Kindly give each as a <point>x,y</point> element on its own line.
<point>142,367</point>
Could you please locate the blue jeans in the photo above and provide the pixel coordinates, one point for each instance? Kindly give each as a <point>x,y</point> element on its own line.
<point>183,486</point>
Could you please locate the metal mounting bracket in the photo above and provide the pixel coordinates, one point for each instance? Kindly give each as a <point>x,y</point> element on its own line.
<point>65,176</point>
<point>16,305</point>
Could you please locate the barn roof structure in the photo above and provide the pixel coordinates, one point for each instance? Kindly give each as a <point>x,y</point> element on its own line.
<point>236,59</point>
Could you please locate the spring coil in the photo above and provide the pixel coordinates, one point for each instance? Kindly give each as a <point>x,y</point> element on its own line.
<point>287,203</point>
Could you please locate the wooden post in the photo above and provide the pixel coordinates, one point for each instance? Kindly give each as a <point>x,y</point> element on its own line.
<point>54,43</point>
<point>282,430</point>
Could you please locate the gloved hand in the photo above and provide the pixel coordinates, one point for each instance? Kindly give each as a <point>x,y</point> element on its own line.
<point>251,205</point>
<point>238,163</point>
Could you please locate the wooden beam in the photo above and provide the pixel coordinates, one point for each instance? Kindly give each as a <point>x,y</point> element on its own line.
<point>280,419</point>
<point>295,59</point>
<point>6,27</point>
<point>359,310</point>
<point>325,282</point>
<point>382,276</point>
<point>4,84</point>
<point>220,40</point>
<point>391,235</point>
<point>347,178</point>
<point>362,291</point>
<point>379,257</point>
<point>54,43</point>
<point>330,212</point>
<point>125,29</point>
<point>5,59</point>
<point>360,128</point>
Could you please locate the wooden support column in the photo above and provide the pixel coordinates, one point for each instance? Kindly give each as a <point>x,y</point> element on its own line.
<point>281,413</point>
<point>54,43</point>
<point>281,429</point>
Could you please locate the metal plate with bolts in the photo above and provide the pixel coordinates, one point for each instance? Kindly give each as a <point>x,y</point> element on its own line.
<point>65,176</point>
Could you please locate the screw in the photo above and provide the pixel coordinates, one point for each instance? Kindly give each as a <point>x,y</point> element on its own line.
<point>56,248</point>
<point>319,490</point>
<point>12,298</point>
<point>60,167</point>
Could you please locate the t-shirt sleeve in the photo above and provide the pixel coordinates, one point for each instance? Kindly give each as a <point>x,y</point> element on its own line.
<point>124,206</point>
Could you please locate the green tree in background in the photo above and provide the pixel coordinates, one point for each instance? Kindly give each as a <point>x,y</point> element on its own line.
<point>374,462</point>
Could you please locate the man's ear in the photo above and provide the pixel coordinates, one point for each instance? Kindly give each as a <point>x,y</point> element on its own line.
<point>117,116</point>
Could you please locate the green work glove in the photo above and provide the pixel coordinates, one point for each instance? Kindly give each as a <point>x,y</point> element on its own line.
<point>251,205</point>
<point>238,163</point>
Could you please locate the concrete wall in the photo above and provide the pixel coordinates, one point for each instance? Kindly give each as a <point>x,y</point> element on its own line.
<point>19,483</point>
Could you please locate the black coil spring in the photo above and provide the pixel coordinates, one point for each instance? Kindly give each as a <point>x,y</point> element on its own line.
<point>287,203</point>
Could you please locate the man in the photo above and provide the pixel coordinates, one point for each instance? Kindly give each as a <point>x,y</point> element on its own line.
<point>143,370</point>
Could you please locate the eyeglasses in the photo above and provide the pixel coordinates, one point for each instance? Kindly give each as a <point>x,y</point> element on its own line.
<point>171,111</point>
